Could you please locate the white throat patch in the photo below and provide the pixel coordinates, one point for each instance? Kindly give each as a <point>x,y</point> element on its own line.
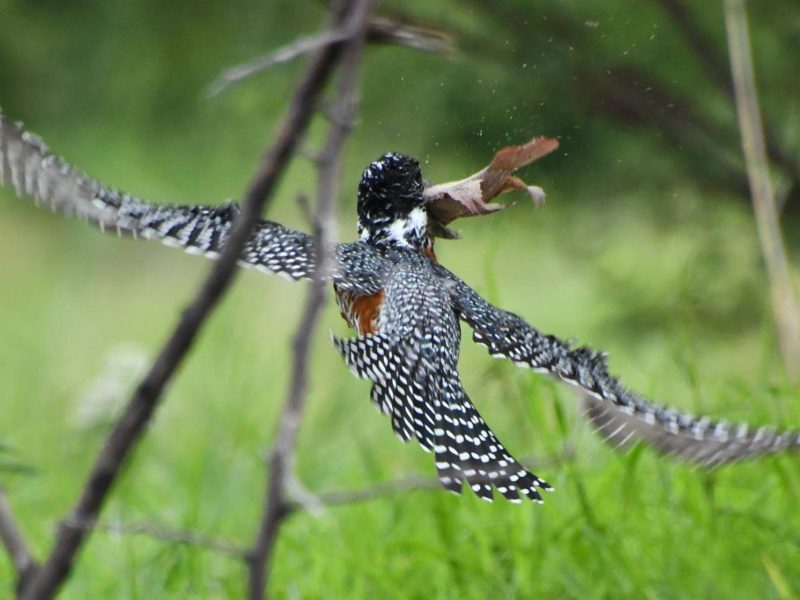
<point>412,227</point>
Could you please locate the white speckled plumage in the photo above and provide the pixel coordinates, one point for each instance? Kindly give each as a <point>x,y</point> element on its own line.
<point>411,359</point>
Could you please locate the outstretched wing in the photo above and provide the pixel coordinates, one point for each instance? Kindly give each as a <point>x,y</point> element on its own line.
<point>727,444</point>
<point>619,415</point>
<point>411,362</point>
<point>28,165</point>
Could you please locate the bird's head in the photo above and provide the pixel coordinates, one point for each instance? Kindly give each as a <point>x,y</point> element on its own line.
<point>391,210</point>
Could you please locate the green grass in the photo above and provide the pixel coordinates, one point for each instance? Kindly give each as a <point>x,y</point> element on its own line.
<point>676,294</point>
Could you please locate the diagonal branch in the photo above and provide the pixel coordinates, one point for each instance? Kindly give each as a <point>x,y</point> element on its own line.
<point>379,30</point>
<point>784,300</point>
<point>412,483</point>
<point>299,47</point>
<point>131,426</point>
<point>384,30</point>
<point>377,491</point>
<point>11,536</point>
<point>281,460</point>
<point>168,535</point>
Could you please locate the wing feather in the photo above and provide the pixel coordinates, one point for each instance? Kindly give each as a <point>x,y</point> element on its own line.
<point>620,416</point>
<point>28,165</point>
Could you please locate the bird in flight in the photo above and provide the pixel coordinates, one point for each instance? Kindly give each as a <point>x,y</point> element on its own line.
<point>405,307</point>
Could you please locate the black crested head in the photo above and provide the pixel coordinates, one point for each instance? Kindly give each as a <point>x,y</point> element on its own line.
<point>391,185</point>
<point>389,191</point>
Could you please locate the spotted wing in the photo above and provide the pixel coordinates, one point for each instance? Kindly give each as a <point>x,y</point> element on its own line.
<point>619,415</point>
<point>727,444</point>
<point>27,165</point>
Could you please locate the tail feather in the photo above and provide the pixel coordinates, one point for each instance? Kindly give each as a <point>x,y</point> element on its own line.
<point>432,406</point>
<point>398,390</point>
<point>482,458</point>
<point>448,464</point>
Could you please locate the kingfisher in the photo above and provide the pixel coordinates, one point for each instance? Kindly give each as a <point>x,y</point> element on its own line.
<point>405,308</point>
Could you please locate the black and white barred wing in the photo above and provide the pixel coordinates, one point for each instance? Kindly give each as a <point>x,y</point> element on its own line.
<point>33,171</point>
<point>411,362</point>
<point>695,440</point>
<point>28,165</point>
<point>619,415</point>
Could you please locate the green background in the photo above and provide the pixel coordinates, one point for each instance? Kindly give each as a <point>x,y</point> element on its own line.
<point>646,249</point>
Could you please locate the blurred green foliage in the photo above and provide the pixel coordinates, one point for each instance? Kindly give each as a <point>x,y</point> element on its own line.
<point>646,249</point>
<point>624,86</point>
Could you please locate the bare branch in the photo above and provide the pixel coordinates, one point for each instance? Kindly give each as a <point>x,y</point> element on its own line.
<point>281,460</point>
<point>784,301</point>
<point>167,534</point>
<point>379,30</point>
<point>299,47</point>
<point>380,490</point>
<point>11,537</point>
<point>295,501</point>
<point>139,410</point>
<point>383,30</point>
<point>412,483</point>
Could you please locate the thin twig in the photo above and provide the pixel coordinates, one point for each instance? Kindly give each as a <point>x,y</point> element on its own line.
<point>380,490</point>
<point>384,30</point>
<point>412,483</point>
<point>11,536</point>
<point>168,534</point>
<point>379,31</point>
<point>316,502</point>
<point>281,460</point>
<point>140,408</point>
<point>784,302</point>
<point>289,52</point>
